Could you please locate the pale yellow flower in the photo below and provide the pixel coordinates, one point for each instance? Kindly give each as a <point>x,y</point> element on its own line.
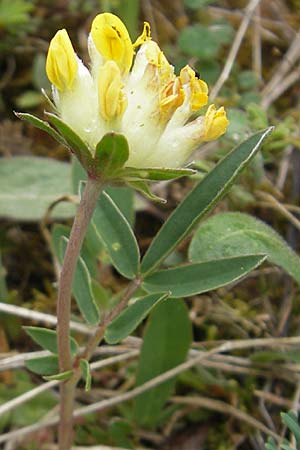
<point>136,95</point>
<point>61,65</point>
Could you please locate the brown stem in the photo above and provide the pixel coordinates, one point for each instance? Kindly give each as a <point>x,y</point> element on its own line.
<point>81,222</point>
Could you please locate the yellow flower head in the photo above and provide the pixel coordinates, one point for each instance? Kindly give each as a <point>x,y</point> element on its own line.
<point>144,99</point>
<point>61,64</point>
<point>215,122</point>
<point>111,98</point>
<point>112,40</point>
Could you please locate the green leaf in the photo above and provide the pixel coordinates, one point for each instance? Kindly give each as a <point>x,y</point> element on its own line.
<point>155,174</point>
<point>82,289</point>
<point>194,279</point>
<point>269,356</point>
<point>32,410</point>
<point>201,200</point>
<point>123,197</point>
<point>143,188</point>
<point>63,376</point>
<point>291,421</point>
<point>86,373</point>
<point>131,317</point>
<point>44,365</point>
<point>29,185</point>
<point>111,154</point>
<point>271,444</point>
<point>42,125</point>
<point>204,42</point>
<point>117,236</point>
<point>166,343</point>
<point>234,234</point>
<point>197,4</point>
<point>75,143</point>
<point>47,339</point>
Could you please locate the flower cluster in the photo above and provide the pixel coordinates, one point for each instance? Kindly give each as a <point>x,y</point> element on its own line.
<point>142,99</point>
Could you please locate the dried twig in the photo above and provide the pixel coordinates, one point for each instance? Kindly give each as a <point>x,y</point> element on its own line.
<point>104,404</point>
<point>257,50</point>
<point>290,58</point>
<point>275,399</point>
<point>281,87</point>
<point>284,166</point>
<point>249,11</point>
<point>280,208</point>
<point>14,403</point>
<point>41,317</point>
<point>225,408</point>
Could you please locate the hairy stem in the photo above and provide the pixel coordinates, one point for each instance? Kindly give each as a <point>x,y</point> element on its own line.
<point>81,222</point>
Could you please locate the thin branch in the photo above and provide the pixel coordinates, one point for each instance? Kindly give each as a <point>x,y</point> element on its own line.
<point>290,58</point>
<point>99,406</point>
<point>14,403</point>
<point>284,167</point>
<point>47,319</point>
<point>257,50</point>
<point>270,27</point>
<point>280,208</point>
<point>103,404</point>
<point>249,11</point>
<point>275,399</point>
<point>225,408</point>
<point>95,447</point>
<point>279,89</point>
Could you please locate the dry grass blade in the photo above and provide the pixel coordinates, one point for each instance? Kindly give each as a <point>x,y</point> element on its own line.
<point>104,404</point>
<point>47,319</point>
<point>281,87</point>
<point>290,58</point>
<point>249,11</point>
<point>225,408</point>
<point>98,406</point>
<point>280,208</point>
<point>95,447</point>
<point>275,399</point>
<point>14,403</point>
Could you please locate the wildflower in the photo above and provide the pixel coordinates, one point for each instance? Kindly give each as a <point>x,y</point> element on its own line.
<point>139,97</point>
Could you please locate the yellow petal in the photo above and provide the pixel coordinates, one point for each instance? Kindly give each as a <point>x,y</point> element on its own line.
<point>61,64</point>
<point>198,88</point>
<point>171,97</point>
<point>112,40</point>
<point>216,123</point>
<point>111,98</point>
<point>157,59</point>
<point>144,37</point>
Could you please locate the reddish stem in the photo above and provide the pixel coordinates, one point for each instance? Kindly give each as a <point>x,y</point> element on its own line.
<point>81,222</point>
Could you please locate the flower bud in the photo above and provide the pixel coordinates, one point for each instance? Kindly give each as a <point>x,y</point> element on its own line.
<point>61,64</point>
<point>112,100</point>
<point>215,123</point>
<point>198,88</point>
<point>112,40</point>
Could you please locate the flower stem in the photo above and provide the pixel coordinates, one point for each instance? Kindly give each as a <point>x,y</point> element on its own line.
<point>81,222</point>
